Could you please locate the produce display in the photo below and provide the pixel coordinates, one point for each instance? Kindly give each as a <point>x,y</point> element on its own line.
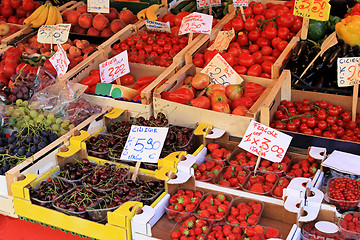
<point>7,30</point>
<point>46,14</point>
<point>218,12</point>
<point>16,11</point>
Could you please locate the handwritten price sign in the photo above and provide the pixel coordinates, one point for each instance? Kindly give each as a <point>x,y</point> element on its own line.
<point>222,40</point>
<point>99,6</point>
<point>201,4</point>
<point>275,143</point>
<point>114,68</point>
<point>60,61</point>
<point>220,72</point>
<point>157,26</point>
<point>144,144</point>
<point>241,3</point>
<point>348,71</point>
<point>196,23</point>
<point>53,33</point>
<point>314,9</point>
<point>215,3</point>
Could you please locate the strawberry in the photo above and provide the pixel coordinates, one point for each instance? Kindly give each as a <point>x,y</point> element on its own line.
<point>278,191</point>
<point>224,183</point>
<point>311,159</point>
<point>257,187</point>
<point>200,223</point>
<point>250,232</point>
<point>190,207</point>
<point>204,213</point>
<point>179,207</point>
<point>256,208</point>
<point>271,178</point>
<point>252,219</point>
<point>259,229</point>
<point>298,173</point>
<point>312,170</point>
<point>272,233</point>
<point>212,146</point>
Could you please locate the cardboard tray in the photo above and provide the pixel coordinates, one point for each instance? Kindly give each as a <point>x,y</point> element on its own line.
<point>233,124</point>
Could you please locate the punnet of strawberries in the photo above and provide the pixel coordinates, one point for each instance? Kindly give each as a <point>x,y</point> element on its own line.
<point>259,41</point>
<point>245,214</point>
<point>350,225</point>
<point>214,207</point>
<point>260,183</point>
<point>193,228</point>
<point>305,168</point>
<point>280,186</point>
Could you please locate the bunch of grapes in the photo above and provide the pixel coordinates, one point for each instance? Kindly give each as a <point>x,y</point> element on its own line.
<point>20,89</point>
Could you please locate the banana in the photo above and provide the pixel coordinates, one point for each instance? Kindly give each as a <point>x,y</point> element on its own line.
<point>141,15</point>
<point>34,15</point>
<point>59,18</point>
<point>51,19</point>
<point>38,22</point>
<point>151,11</point>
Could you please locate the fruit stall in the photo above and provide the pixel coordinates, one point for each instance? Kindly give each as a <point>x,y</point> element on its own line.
<point>179,120</point>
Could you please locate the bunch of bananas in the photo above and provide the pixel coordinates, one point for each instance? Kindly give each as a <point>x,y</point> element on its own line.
<point>149,13</point>
<point>46,14</point>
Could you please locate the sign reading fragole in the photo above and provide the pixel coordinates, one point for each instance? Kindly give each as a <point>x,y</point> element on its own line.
<point>52,34</point>
<point>196,23</point>
<point>157,26</point>
<point>348,70</point>
<point>220,72</point>
<point>98,6</point>
<point>314,9</point>
<point>222,40</point>
<point>275,143</point>
<point>60,61</point>
<point>115,67</point>
<point>241,3</point>
<point>144,144</point>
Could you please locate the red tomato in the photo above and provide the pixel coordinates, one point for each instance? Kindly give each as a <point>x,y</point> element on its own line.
<point>266,51</point>
<point>179,17</point>
<point>270,13</point>
<point>242,39</point>
<point>270,33</point>
<point>263,42</point>
<point>243,101</point>
<point>282,45</point>
<point>234,51</point>
<point>286,20</point>
<point>258,57</point>
<point>246,60</point>
<point>266,66</point>
<point>253,48</point>
<point>255,70</point>
<point>229,58</point>
<point>201,102</point>
<point>237,24</point>
<point>253,35</point>
<point>240,69</point>
<point>241,111</point>
<point>221,107</point>
<point>127,79</point>
<point>258,8</point>
<point>284,33</point>
<point>296,26</point>
<point>250,24</point>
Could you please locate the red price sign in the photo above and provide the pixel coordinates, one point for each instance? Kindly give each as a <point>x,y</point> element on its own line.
<point>114,68</point>
<point>240,3</point>
<point>273,142</point>
<point>196,23</point>
<point>314,9</point>
<point>348,71</point>
<point>60,61</point>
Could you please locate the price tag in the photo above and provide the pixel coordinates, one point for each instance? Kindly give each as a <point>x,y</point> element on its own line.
<point>314,9</point>
<point>52,34</point>
<point>202,4</point>
<point>222,40</point>
<point>348,70</point>
<point>215,3</point>
<point>115,67</point>
<point>196,23</point>
<point>275,143</point>
<point>220,72</point>
<point>241,3</point>
<point>99,6</point>
<point>144,144</point>
<point>157,26</point>
<point>60,61</point>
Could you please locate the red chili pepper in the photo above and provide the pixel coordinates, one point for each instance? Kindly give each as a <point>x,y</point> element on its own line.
<point>165,95</point>
<point>137,97</point>
<point>146,80</point>
<point>181,95</point>
<point>91,80</point>
<point>95,72</point>
<point>92,89</point>
<point>243,101</point>
<point>136,86</point>
<point>143,87</point>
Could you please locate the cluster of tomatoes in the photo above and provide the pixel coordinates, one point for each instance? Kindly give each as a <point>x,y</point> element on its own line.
<point>245,214</point>
<point>258,41</point>
<point>344,193</point>
<point>351,223</point>
<point>280,185</point>
<point>233,177</point>
<point>213,207</point>
<point>15,11</point>
<point>182,203</point>
<point>305,168</point>
<point>261,183</point>
<point>192,228</point>
<point>317,118</point>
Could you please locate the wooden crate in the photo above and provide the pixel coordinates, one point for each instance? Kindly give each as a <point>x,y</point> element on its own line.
<point>302,140</point>
<point>21,32</point>
<point>202,45</point>
<point>183,115</point>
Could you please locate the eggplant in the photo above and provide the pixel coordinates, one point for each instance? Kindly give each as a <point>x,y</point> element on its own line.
<point>354,49</point>
<point>344,50</point>
<point>322,60</point>
<point>298,51</point>
<point>332,60</point>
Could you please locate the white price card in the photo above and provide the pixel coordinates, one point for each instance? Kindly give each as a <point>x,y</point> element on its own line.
<point>98,6</point>
<point>144,144</point>
<point>215,3</point>
<point>115,67</point>
<point>220,72</point>
<point>241,3</point>
<point>157,26</point>
<point>201,4</point>
<point>275,143</point>
<point>222,40</point>
<point>60,61</point>
<point>196,23</point>
<point>348,70</point>
<point>52,34</point>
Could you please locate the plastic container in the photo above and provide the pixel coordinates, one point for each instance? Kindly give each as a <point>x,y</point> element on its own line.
<point>227,145</point>
<point>193,218</point>
<point>213,220</point>
<point>320,230</point>
<point>239,200</point>
<point>237,236</point>
<point>247,183</point>
<point>348,234</point>
<point>217,179</point>
<point>188,146</point>
<point>342,205</point>
<point>60,191</point>
<point>78,165</point>
<point>276,185</point>
<point>233,161</point>
<point>105,142</point>
<point>209,178</point>
<point>179,216</point>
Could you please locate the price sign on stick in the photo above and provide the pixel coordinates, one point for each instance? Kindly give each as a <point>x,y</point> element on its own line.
<point>114,68</point>
<point>201,4</point>
<point>348,70</point>
<point>220,72</point>
<point>241,3</point>
<point>196,23</point>
<point>313,9</point>
<point>60,61</point>
<point>215,3</point>
<point>144,144</point>
<point>99,6</point>
<point>157,26</point>
<point>271,143</point>
<point>53,33</point>
<point>222,40</point>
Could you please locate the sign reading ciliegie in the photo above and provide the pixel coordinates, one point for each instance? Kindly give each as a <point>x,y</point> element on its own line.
<point>348,70</point>
<point>144,144</point>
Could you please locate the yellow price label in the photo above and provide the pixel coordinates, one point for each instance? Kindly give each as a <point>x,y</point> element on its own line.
<point>313,9</point>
